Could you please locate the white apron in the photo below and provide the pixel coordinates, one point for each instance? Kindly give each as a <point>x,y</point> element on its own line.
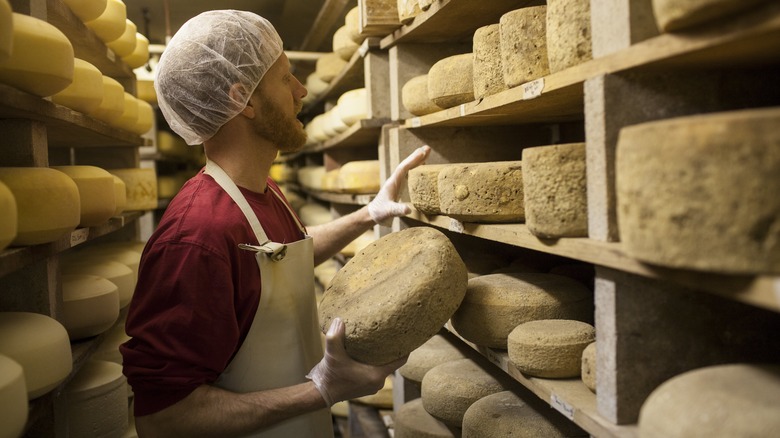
<point>284,342</point>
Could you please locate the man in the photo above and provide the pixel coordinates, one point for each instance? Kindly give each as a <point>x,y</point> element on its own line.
<point>223,324</point>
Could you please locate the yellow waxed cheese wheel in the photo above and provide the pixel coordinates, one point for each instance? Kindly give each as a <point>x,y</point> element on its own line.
<point>141,188</point>
<point>334,117</point>
<point>125,44</point>
<point>118,273</point>
<point>26,69</point>
<point>330,181</point>
<point>423,182</point>
<point>413,421</point>
<point>327,124</point>
<point>488,72</point>
<point>112,105</point>
<point>314,129</point>
<point>673,15</point>
<point>140,54</point>
<point>328,66</point>
<point>110,25</point>
<point>311,176</point>
<point>145,91</point>
<point>482,192</point>
<point>414,96</point>
<point>568,33</point>
<point>451,81</point>
<point>145,120</point>
<point>313,213</point>
<point>314,84</point>
<point>87,10</point>
<point>120,195</point>
<point>90,305</point>
<point>682,201</point>
<point>171,145</point>
<point>734,400</point>
<point>13,398</point>
<point>8,216</point>
<point>589,366</point>
<point>524,45</point>
<point>129,118</point>
<point>127,256</point>
<point>550,348</point>
<point>6,30</point>
<point>343,45</point>
<point>382,399</point>
<point>97,400</point>
<point>352,23</point>
<point>96,192</point>
<point>85,93</point>
<point>435,351</point>
<point>353,106</point>
<point>40,345</point>
<point>391,311</point>
<point>359,177</point>
<point>47,203</point>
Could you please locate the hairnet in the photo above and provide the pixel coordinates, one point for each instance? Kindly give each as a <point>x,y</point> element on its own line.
<point>210,53</point>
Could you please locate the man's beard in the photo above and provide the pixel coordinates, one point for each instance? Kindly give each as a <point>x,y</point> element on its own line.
<point>284,132</point>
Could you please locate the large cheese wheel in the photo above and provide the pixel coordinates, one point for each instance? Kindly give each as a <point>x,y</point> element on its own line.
<point>87,10</point>
<point>120,195</point>
<point>108,349</point>
<point>6,30</point>
<point>112,105</point>
<point>451,81</point>
<point>13,398</point>
<point>85,93</point>
<point>390,310</point>
<point>47,203</point>
<point>735,400</point>
<point>330,181</point>
<point>128,254</point>
<point>414,96</point>
<point>450,388</point>
<point>555,190</point>
<point>524,45</point>
<point>435,351</point>
<point>125,44</point>
<point>700,192</point>
<point>497,303</point>
<point>423,183</point>
<point>550,348</point>
<point>568,33</point>
<point>40,345</point>
<point>145,120</point>
<point>314,129</point>
<point>488,73</point>
<point>329,65</point>
<point>352,23</point>
<point>343,45</point>
<point>110,25</point>
<point>335,122</point>
<point>672,15</point>
<point>140,54</point>
<point>310,177</point>
<point>8,216</point>
<point>505,414</point>
<point>96,192</point>
<point>97,400</point>
<point>129,118</point>
<point>589,366</point>
<point>141,188</point>
<point>360,176</point>
<point>353,106</point>
<point>482,192</point>
<point>26,69</point>
<point>411,420</point>
<point>90,305</point>
<point>117,273</point>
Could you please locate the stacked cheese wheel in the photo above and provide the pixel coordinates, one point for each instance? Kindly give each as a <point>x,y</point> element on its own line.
<point>8,216</point>
<point>351,107</point>
<point>97,400</point>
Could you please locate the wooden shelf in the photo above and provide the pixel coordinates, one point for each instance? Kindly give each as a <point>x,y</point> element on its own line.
<point>363,133</point>
<point>341,198</point>
<point>763,291</point>
<point>570,397</point>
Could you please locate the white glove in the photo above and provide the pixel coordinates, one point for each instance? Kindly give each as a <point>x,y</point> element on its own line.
<point>338,377</point>
<point>385,206</point>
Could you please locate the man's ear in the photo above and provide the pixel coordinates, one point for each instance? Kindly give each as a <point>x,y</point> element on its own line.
<point>238,94</point>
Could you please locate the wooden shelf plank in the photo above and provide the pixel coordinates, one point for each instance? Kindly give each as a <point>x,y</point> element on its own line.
<point>761,290</point>
<point>341,198</point>
<point>363,133</point>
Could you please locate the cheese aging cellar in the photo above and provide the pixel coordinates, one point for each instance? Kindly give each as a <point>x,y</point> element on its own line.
<point>389,218</point>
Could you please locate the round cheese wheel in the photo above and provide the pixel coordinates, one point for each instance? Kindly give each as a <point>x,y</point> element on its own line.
<point>589,366</point>
<point>140,54</point>
<point>141,188</point>
<point>688,197</point>
<point>450,388</point>
<point>673,15</point>
<point>97,400</point>
<point>108,349</point>
<point>334,117</point>
<point>96,192</point>
<point>343,45</point>
<point>327,124</point>
<point>145,120</point>
<point>488,73</point>
<point>568,33</point>
<point>497,303</point>
<point>735,400</point>
<point>550,348</point>
<point>125,44</point>
<point>389,312</point>
<point>26,69</point>
<point>340,409</point>
<point>482,192</point>
<point>524,45</point>
<point>145,91</point>
<point>352,23</point>
<point>171,145</point>
<point>40,345</point>
<point>129,118</point>
<point>382,399</point>
<point>118,273</point>
<point>120,195</point>
<point>47,203</point>
<point>8,216</point>
<point>110,25</point>
<point>311,176</point>
<point>313,213</point>
<point>87,10</point>
<point>353,106</point>
<point>433,352</point>
<point>314,129</point>
<point>329,65</point>
<point>90,305</point>
<point>423,183</point>
<point>414,96</point>
<point>13,398</point>
<point>413,421</point>
<point>451,81</point>
<point>112,105</point>
<point>85,93</point>
<point>314,84</point>
<point>132,245</point>
<point>6,30</point>
<point>129,256</point>
<point>360,176</point>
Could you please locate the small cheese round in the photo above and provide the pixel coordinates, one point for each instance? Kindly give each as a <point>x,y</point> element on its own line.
<point>497,303</point>
<point>352,23</point>
<point>85,93</point>
<point>329,65</point>
<point>47,203</point>
<point>550,348</point>
<point>90,305</point>
<point>140,54</point>
<point>13,398</point>
<point>450,388</point>
<point>353,106</point>
<point>435,351</point>
<point>343,45</point>
<point>26,69</point>
<point>129,118</point>
<point>589,366</point>
<point>128,256</point>
<point>110,25</point>
<point>120,195</point>
<point>411,420</point>
<point>40,344</point>
<point>414,96</point>
<point>97,400</point>
<point>117,273</point>
<point>141,187</point>
<point>391,311</point>
<point>524,45</point>
<point>96,192</point>
<point>451,81</point>
<point>423,183</point>
<point>125,44</point>
<point>112,105</point>
<point>145,120</point>
<point>488,73</point>
<point>8,216</point>
<point>734,400</point>
<point>482,192</point>
<point>360,176</point>
<point>6,30</point>
<point>673,15</point>
<point>87,10</point>
<point>568,33</point>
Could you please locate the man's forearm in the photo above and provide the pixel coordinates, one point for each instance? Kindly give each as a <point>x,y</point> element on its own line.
<point>333,236</point>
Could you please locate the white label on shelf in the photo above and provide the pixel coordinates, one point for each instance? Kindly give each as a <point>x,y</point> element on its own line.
<point>416,122</point>
<point>462,109</point>
<point>533,89</point>
<point>456,225</point>
<point>561,406</point>
<point>79,236</point>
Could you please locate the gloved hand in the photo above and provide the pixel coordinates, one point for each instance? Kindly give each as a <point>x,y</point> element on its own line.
<point>384,206</point>
<point>338,377</point>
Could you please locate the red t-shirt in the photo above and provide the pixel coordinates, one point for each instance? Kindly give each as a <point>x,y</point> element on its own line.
<point>197,292</point>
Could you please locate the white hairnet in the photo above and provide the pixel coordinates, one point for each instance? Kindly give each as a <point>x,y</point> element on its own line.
<point>209,54</point>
